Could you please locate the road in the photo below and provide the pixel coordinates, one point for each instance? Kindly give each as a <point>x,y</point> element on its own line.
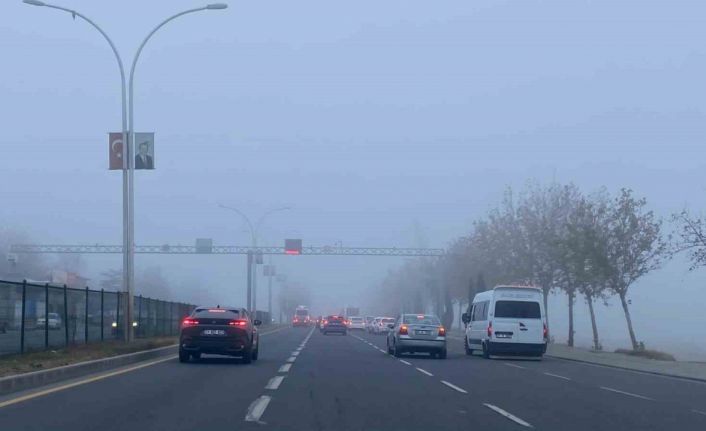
<point>307,381</point>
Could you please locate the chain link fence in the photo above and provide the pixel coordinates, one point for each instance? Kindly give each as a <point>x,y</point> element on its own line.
<point>37,317</point>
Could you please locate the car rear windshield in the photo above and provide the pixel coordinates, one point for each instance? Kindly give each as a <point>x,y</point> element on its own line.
<point>422,320</point>
<point>334,319</point>
<point>356,319</point>
<point>518,309</point>
<point>219,313</point>
<point>388,320</point>
<point>302,312</point>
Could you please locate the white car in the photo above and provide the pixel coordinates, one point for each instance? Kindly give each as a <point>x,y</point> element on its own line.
<point>508,320</point>
<point>54,321</point>
<point>381,326</point>
<point>356,322</point>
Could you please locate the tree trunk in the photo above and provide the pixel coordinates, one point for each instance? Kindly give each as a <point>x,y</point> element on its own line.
<point>448,317</point>
<point>571,294</point>
<point>629,321</point>
<point>596,344</point>
<point>545,290</point>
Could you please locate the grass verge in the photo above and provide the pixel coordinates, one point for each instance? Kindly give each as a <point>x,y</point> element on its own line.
<point>649,354</point>
<point>35,361</point>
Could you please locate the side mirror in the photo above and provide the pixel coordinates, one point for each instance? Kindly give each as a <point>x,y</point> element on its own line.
<point>257,322</point>
<point>391,325</point>
<point>465,318</point>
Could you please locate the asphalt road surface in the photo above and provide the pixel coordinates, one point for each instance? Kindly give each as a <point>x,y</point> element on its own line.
<point>308,381</point>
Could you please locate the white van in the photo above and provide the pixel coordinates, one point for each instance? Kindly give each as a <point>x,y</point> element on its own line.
<point>508,320</point>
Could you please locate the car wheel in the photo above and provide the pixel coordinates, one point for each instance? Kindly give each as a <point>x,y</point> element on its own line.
<point>345,333</point>
<point>256,353</point>
<point>183,356</point>
<point>396,351</point>
<point>324,332</point>
<point>441,354</point>
<point>468,350</point>
<point>247,355</point>
<point>196,356</point>
<point>486,351</point>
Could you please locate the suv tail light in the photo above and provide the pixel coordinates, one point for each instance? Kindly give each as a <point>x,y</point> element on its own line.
<point>238,322</point>
<point>403,330</point>
<point>442,331</point>
<point>490,329</point>
<point>189,322</point>
<point>545,331</point>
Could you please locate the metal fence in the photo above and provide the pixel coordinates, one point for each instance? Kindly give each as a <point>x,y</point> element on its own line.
<point>40,317</point>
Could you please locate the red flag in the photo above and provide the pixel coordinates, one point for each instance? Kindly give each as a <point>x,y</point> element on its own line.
<point>115,150</point>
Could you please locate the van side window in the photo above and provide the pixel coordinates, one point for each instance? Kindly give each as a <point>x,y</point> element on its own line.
<point>486,306</point>
<point>474,312</point>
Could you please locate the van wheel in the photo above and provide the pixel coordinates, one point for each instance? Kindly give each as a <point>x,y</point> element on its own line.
<point>468,350</point>
<point>486,351</point>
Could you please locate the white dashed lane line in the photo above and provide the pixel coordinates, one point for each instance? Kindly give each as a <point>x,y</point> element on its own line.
<point>257,408</point>
<point>617,391</point>
<point>291,359</point>
<point>514,366</point>
<point>557,376</point>
<point>508,415</point>
<point>405,362</point>
<point>295,353</point>
<point>454,387</point>
<point>274,382</point>
<point>698,412</point>
<point>425,372</point>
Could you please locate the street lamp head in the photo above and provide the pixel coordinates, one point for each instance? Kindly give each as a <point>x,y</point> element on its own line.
<point>217,6</point>
<point>34,2</point>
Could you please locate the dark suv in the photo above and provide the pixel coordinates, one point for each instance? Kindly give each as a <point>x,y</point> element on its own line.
<point>335,324</point>
<point>221,331</point>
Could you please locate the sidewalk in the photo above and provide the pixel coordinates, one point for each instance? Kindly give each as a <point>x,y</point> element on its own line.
<point>687,370</point>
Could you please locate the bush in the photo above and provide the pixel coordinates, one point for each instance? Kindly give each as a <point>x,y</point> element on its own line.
<point>649,354</point>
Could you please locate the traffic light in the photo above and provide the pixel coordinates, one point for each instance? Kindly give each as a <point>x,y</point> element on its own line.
<point>293,246</point>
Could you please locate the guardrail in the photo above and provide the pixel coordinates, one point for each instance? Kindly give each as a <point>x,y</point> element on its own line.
<point>42,316</point>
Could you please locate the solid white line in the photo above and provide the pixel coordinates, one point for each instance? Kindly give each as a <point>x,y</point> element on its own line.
<point>295,353</point>
<point>292,359</point>
<point>508,415</point>
<point>405,362</point>
<point>284,368</point>
<point>274,382</point>
<point>299,348</point>
<point>257,408</point>
<point>699,412</point>
<point>557,376</point>
<point>452,386</point>
<point>627,393</point>
<point>515,366</point>
<point>425,372</point>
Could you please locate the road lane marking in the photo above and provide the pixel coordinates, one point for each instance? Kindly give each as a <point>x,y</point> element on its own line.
<point>452,386</point>
<point>295,353</point>
<point>557,376</point>
<point>292,359</point>
<point>274,382</point>
<point>273,331</point>
<point>698,412</point>
<point>257,408</point>
<point>284,368</point>
<point>405,362</point>
<point>508,415</point>
<point>626,393</point>
<point>425,372</point>
<point>514,366</point>
<point>83,382</point>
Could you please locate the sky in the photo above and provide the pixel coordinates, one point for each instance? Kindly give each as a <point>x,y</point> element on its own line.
<point>392,123</point>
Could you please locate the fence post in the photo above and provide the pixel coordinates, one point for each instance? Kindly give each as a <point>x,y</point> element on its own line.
<point>102,313</point>
<point>117,316</point>
<point>171,318</point>
<point>46,316</point>
<point>85,320</point>
<point>139,318</point>
<point>66,316</point>
<point>22,314</point>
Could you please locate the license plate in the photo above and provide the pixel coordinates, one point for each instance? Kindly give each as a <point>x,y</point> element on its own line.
<point>421,332</point>
<point>502,335</point>
<point>214,332</point>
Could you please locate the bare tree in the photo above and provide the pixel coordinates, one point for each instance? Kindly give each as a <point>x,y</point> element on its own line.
<point>691,237</point>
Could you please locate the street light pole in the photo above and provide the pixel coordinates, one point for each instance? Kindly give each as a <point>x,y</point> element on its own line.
<point>128,158</point>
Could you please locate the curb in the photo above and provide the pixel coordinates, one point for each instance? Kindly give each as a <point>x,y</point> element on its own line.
<point>36,379</point>
<point>654,373</point>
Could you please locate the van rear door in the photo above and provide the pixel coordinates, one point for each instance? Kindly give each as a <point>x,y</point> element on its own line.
<point>519,321</point>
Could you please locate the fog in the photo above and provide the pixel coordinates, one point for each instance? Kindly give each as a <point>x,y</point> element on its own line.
<point>388,124</point>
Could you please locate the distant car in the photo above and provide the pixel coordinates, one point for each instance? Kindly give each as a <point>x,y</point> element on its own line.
<point>368,322</point>
<point>371,327</point>
<point>319,320</point>
<point>356,322</point>
<point>54,321</point>
<point>334,324</point>
<point>382,325</point>
<point>414,333</point>
<point>220,331</point>
<point>301,317</point>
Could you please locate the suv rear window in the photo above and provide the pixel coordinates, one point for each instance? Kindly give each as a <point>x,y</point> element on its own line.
<point>334,319</point>
<point>217,313</point>
<point>302,312</point>
<point>517,309</point>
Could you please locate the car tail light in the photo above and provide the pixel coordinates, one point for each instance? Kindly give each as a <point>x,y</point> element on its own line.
<point>325,322</point>
<point>442,331</point>
<point>403,330</point>
<point>545,331</point>
<point>238,322</point>
<point>189,322</point>
<point>490,329</point>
